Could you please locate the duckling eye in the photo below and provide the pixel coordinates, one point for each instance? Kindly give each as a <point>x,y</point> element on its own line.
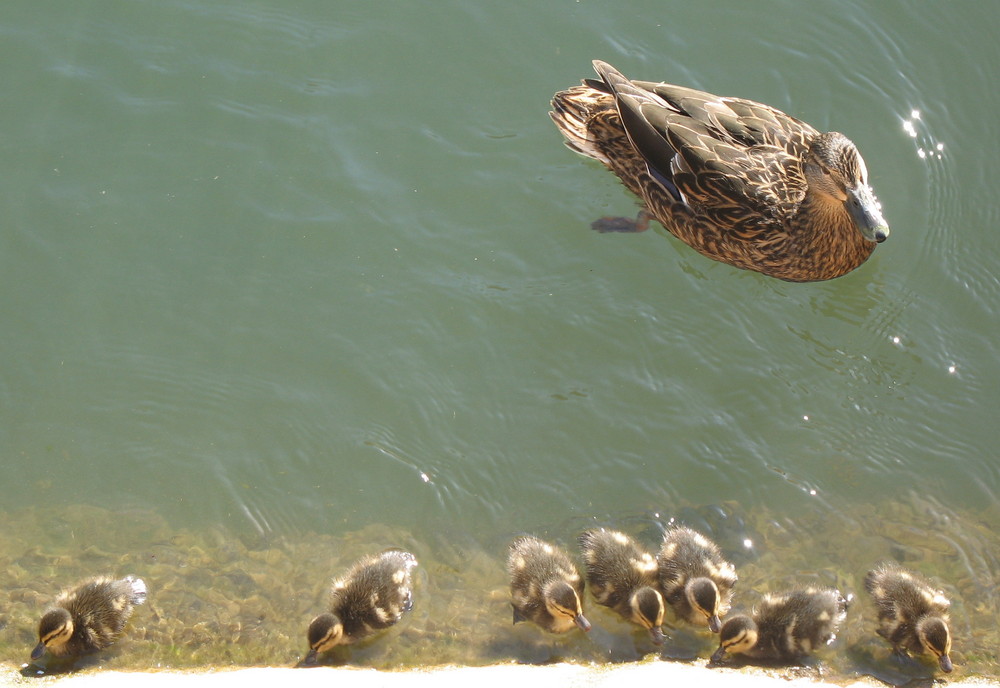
<point>566,611</point>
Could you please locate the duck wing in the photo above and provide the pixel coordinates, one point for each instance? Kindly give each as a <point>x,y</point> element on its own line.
<point>732,161</point>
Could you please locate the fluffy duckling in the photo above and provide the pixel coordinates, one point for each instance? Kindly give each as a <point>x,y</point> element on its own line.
<point>784,626</point>
<point>912,614</point>
<point>545,586</point>
<point>371,596</point>
<point>624,577</point>
<point>696,580</point>
<point>88,618</point>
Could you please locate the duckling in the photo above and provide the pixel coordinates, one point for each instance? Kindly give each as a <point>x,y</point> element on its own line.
<point>912,614</point>
<point>696,581</point>
<point>88,618</point>
<point>371,596</point>
<point>545,586</point>
<point>623,576</point>
<point>784,626</point>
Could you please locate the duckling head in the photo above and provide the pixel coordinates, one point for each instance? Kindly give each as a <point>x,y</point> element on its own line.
<point>936,639</point>
<point>562,601</point>
<point>703,595</point>
<point>737,635</point>
<point>54,630</point>
<point>647,611</point>
<point>325,631</point>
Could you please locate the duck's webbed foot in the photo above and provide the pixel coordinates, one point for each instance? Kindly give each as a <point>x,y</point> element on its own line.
<point>900,654</point>
<point>622,224</point>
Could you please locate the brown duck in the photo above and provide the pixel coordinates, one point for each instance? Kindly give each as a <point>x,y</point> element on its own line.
<point>784,627</point>
<point>912,613</point>
<point>696,580</point>
<point>738,181</point>
<point>371,596</point>
<point>88,618</point>
<point>545,586</point>
<point>624,576</point>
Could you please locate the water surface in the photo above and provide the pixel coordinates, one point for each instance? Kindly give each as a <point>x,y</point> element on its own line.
<point>291,282</point>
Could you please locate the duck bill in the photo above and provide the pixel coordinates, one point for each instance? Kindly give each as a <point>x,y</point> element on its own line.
<point>656,633</point>
<point>714,624</point>
<point>38,651</point>
<point>944,661</point>
<point>581,621</point>
<point>310,658</point>
<point>718,655</point>
<point>867,214</point>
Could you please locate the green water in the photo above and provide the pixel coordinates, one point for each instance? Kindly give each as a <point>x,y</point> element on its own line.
<point>286,283</point>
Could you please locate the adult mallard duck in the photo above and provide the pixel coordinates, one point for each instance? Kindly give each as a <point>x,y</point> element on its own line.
<point>545,586</point>
<point>784,626</point>
<point>912,614</point>
<point>89,617</point>
<point>695,578</point>
<point>372,595</point>
<point>623,576</point>
<point>738,181</point>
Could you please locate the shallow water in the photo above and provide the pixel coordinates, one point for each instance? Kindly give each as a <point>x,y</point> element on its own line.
<point>287,283</point>
<point>218,599</point>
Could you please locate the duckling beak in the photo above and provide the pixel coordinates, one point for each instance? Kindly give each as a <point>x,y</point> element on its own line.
<point>714,624</point>
<point>38,651</point>
<point>582,622</point>
<point>945,662</point>
<point>867,213</point>
<point>310,658</point>
<point>718,655</point>
<point>656,633</point>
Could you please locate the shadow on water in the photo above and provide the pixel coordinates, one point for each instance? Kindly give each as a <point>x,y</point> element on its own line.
<point>217,599</point>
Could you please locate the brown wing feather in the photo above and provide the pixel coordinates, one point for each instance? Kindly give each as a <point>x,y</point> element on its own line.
<point>735,162</point>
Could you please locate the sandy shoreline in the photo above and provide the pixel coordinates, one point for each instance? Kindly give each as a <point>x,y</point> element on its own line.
<point>562,675</point>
